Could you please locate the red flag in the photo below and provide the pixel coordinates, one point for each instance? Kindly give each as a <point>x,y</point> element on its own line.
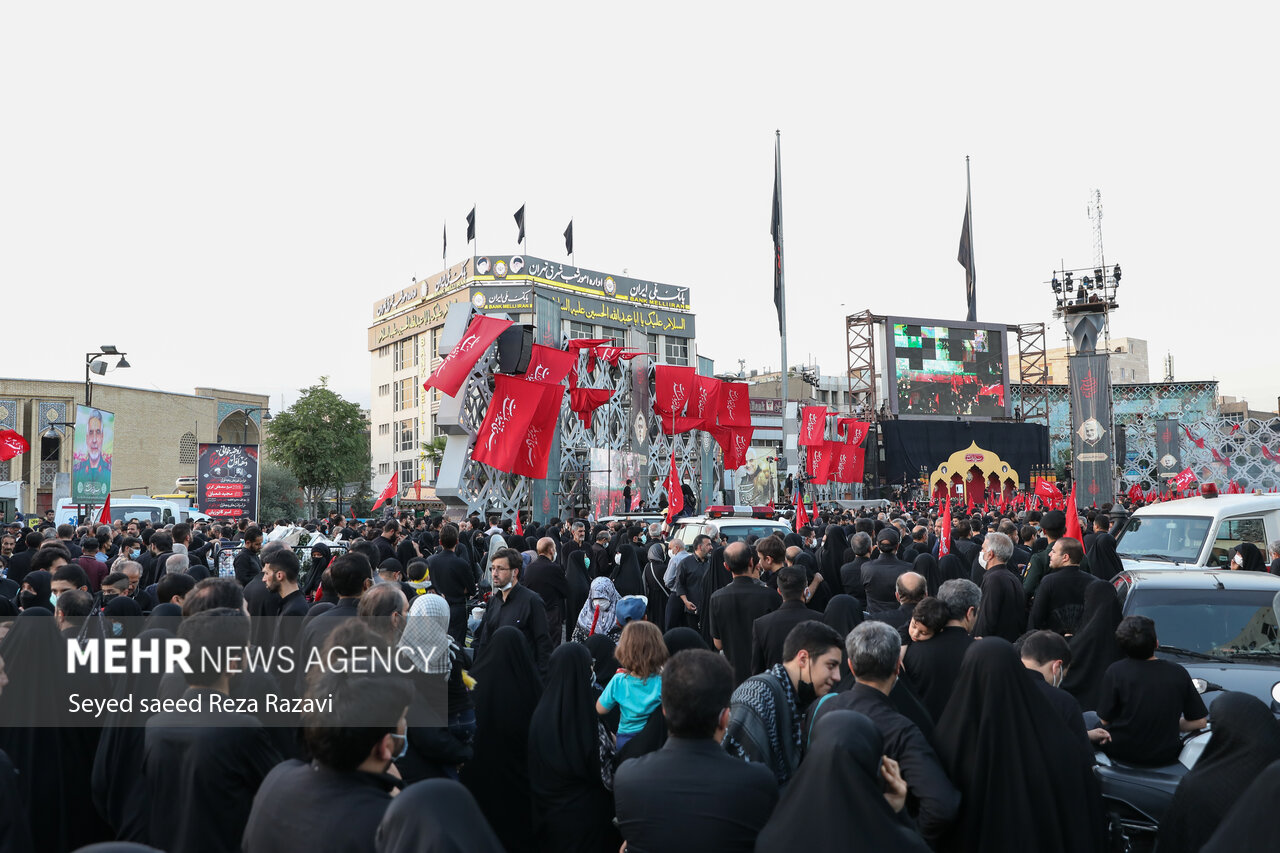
<point>452,372</point>
<point>105,518</point>
<point>802,515</point>
<point>518,527</point>
<point>705,403</point>
<point>393,487</point>
<point>813,425</point>
<point>846,462</point>
<point>734,442</point>
<point>1135,493</point>
<point>584,401</point>
<point>1217,457</point>
<point>944,544</point>
<point>672,387</point>
<point>548,364</point>
<point>1267,453</point>
<point>819,464</point>
<point>853,430</point>
<point>589,344</point>
<point>1185,479</point>
<point>532,460</point>
<point>1047,492</point>
<point>735,404</point>
<point>675,495</point>
<point>1073,518</point>
<point>12,444</point>
<point>1234,427</point>
<point>676,426</point>
<point>816,516</point>
<point>511,412</point>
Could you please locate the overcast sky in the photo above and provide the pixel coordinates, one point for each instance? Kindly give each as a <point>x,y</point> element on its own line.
<point>224,190</point>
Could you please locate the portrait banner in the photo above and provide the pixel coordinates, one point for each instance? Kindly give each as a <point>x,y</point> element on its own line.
<point>1092,442</point>
<point>94,444</point>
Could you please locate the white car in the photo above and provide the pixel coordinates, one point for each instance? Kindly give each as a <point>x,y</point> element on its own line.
<point>735,523</point>
<point>1198,532</point>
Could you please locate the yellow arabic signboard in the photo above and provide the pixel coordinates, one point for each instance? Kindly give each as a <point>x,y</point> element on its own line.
<point>412,322</point>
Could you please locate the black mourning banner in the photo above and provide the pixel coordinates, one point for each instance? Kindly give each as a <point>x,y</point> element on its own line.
<point>471,225</point>
<point>1092,442</point>
<point>227,477</point>
<point>568,239</point>
<point>520,224</point>
<point>1168,449</point>
<point>775,230</point>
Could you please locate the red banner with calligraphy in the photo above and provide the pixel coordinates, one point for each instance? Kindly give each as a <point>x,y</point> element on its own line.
<point>548,364</point>
<point>704,406</point>
<point>511,411</point>
<point>672,387</point>
<point>478,337</point>
<point>813,425</point>
<point>533,457</point>
<point>735,404</point>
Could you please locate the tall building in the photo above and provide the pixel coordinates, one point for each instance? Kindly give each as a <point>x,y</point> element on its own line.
<point>560,301</point>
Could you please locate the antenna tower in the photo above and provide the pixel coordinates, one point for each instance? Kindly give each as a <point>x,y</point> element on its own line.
<point>1094,210</point>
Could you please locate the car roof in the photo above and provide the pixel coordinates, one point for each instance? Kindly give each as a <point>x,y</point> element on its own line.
<point>722,520</point>
<point>1211,507</point>
<point>1180,579</point>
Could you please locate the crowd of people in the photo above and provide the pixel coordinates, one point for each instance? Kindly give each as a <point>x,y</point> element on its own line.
<point>870,681</point>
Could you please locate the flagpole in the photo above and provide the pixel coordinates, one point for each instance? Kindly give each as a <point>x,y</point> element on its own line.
<point>782,286</point>
<point>973,262</point>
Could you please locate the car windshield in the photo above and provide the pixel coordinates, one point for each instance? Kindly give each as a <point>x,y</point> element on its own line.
<point>1220,622</point>
<point>739,532</point>
<point>1173,538</point>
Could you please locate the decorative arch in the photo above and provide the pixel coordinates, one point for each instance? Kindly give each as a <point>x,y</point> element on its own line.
<point>994,472</point>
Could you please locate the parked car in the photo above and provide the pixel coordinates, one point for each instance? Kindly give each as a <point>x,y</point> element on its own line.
<point>734,523</point>
<point>1197,532</point>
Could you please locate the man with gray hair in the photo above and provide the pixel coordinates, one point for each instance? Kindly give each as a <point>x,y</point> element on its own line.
<point>873,651</point>
<point>851,573</point>
<point>932,665</point>
<point>1273,551</point>
<point>1004,606</point>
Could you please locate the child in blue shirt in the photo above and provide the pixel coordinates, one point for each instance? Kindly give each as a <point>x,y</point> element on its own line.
<point>637,688</point>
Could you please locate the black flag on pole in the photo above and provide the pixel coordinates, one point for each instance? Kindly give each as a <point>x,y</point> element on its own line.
<point>776,231</point>
<point>568,239</point>
<point>471,224</point>
<point>444,253</point>
<point>520,224</point>
<point>966,258</point>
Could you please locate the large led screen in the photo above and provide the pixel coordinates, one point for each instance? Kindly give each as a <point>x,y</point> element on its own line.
<point>943,369</point>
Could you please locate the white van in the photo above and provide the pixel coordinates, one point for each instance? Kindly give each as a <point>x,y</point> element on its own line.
<point>1198,533</point>
<point>158,512</point>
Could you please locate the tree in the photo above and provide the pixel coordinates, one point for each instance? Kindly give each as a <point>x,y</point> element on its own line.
<point>279,495</point>
<point>323,440</point>
<point>433,450</point>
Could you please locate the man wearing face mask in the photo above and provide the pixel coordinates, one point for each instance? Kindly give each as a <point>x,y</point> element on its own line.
<point>1047,656</point>
<point>1059,602</point>
<point>767,710</point>
<point>873,649</point>
<point>546,577</point>
<point>1003,612</point>
<point>517,606</point>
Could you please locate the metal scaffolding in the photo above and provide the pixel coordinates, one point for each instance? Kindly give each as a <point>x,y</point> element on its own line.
<point>1033,368</point>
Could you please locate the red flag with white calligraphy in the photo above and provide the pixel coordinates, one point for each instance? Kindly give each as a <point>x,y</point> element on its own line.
<point>675,495</point>
<point>584,401</point>
<point>819,464</point>
<point>735,404</point>
<point>813,425</point>
<point>704,406</point>
<point>500,438</point>
<point>548,364</point>
<point>847,462</point>
<point>533,457</point>
<point>734,443</point>
<point>853,430</point>
<point>1185,479</point>
<point>478,337</point>
<point>671,389</point>
<point>392,489</point>
<point>12,444</point>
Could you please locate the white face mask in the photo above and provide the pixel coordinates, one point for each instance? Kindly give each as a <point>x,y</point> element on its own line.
<point>982,559</point>
<point>602,603</point>
<point>1238,560</point>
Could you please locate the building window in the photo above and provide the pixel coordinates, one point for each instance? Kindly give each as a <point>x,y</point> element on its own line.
<point>408,473</point>
<point>652,342</point>
<point>187,449</point>
<point>406,395</point>
<point>384,351</point>
<point>407,438</point>
<point>384,468</point>
<point>677,351</point>
<point>436,334</point>
<point>384,390</point>
<point>384,429</point>
<point>580,330</point>
<point>398,349</point>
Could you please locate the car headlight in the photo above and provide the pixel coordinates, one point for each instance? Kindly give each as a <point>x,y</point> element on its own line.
<point>1201,686</point>
<point>1275,692</point>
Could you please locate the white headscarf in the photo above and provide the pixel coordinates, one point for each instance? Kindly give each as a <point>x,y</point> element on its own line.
<point>601,588</point>
<point>426,634</point>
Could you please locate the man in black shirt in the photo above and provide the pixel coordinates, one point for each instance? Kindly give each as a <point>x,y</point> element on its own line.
<point>280,574</point>
<point>1004,607</point>
<point>692,795</point>
<point>515,605</point>
<point>932,665</point>
<point>689,583</point>
<point>1047,656</point>
<point>873,650</point>
<point>452,577</point>
<point>851,572</point>
<point>386,543</point>
<point>546,577</point>
<point>1146,702</point>
<point>734,609</point>
<point>880,576</point>
<point>909,591</point>
<point>769,632</point>
<point>247,565</point>
<point>1059,601</point>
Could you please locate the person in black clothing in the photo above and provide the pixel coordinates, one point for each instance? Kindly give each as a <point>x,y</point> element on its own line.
<point>1094,647</point>
<point>851,572</point>
<point>736,607</point>
<point>20,563</point>
<point>1101,524</point>
<point>1145,702</point>
<point>280,574</point>
<point>1047,658</point>
<point>1004,608</point>
<point>547,578</point>
<point>435,816</point>
<point>350,576</point>
<point>346,786</point>
<point>247,565</point>
<point>386,543</point>
<point>1025,782</point>
<point>453,578</point>
<point>769,632</point>
<point>203,767</point>
<point>873,650</point>
<point>1104,562</point>
<point>931,666</point>
<point>1059,601</point>
<point>516,606</point>
<point>682,608</point>
<point>626,497</point>
<point>909,590</point>
<point>880,575</point>
<point>690,795</point>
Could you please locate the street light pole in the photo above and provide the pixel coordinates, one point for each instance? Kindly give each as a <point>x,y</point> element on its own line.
<point>93,363</point>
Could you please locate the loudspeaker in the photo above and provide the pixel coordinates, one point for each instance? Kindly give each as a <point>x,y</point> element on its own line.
<point>515,349</point>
